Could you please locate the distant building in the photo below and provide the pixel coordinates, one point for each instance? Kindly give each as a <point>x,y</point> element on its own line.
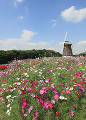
<point>67,50</point>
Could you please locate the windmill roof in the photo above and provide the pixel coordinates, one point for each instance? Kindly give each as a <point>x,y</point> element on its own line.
<point>67,42</point>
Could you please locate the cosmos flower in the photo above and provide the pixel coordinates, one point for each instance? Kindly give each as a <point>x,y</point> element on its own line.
<point>41,91</point>
<point>56,97</point>
<point>71,113</point>
<point>56,113</point>
<point>22,110</point>
<point>67,91</point>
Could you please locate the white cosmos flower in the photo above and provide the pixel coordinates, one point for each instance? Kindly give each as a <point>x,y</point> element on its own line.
<point>25,74</point>
<point>19,91</point>
<point>10,108</point>
<point>71,88</point>
<point>14,96</point>
<point>18,83</point>
<point>46,81</point>
<point>8,112</point>
<point>8,96</point>
<point>18,78</point>
<point>11,90</point>
<point>10,100</point>
<point>40,72</point>
<point>62,98</point>
<point>22,88</point>
<point>2,85</point>
<point>8,105</point>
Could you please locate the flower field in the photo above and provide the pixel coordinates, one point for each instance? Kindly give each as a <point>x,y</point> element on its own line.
<point>44,89</point>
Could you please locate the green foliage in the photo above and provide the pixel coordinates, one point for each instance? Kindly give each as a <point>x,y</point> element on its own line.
<point>9,55</point>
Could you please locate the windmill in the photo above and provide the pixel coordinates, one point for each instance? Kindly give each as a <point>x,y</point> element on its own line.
<point>67,50</point>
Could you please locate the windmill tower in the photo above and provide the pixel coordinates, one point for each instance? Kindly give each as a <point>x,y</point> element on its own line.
<point>67,51</point>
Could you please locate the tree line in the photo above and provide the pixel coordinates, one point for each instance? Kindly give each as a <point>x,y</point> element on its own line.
<point>9,55</point>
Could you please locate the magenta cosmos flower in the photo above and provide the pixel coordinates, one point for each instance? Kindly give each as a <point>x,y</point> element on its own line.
<point>35,113</point>
<point>78,94</point>
<point>56,113</point>
<point>22,110</point>
<point>50,105</point>
<point>24,104</point>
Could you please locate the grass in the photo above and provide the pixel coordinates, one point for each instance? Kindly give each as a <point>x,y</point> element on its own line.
<point>44,89</point>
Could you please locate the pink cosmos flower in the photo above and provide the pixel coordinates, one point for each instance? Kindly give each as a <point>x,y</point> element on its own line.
<point>41,91</point>
<point>33,118</point>
<point>67,92</point>
<point>48,79</point>
<point>1,98</point>
<point>44,88</point>
<point>22,110</point>
<point>28,89</point>
<point>45,105</point>
<point>82,89</point>
<point>35,113</point>
<point>78,85</point>
<point>29,110</point>
<point>52,101</point>
<point>56,97</point>
<point>50,105</point>
<point>56,113</point>
<point>52,85</point>
<point>71,113</point>
<point>55,91</point>
<point>25,115</point>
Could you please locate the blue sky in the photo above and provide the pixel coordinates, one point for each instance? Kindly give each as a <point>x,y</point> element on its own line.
<point>42,24</point>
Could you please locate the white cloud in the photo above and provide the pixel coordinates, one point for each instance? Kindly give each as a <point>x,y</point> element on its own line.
<point>15,2</point>
<point>23,43</point>
<point>19,0</point>
<point>81,42</point>
<point>53,22</point>
<point>73,15</point>
<point>20,18</point>
<point>79,47</point>
<point>27,35</point>
<point>61,43</point>
<point>39,43</point>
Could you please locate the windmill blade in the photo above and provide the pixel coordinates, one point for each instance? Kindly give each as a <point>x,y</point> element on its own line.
<point>65,37</point>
